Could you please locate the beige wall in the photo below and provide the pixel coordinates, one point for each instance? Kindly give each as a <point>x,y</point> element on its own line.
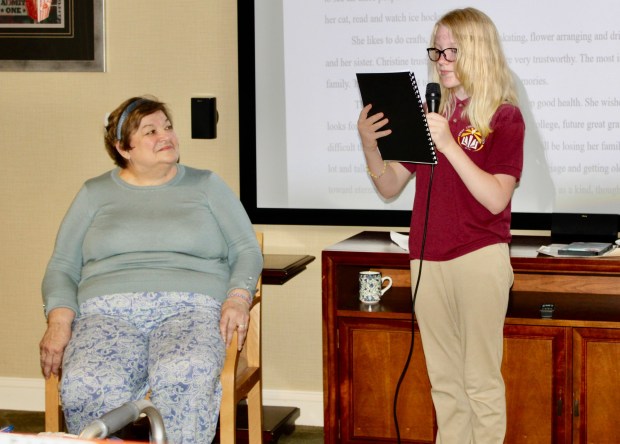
<point>51,127</point>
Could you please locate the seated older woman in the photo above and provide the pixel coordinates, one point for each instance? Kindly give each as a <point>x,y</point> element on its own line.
<point>154,268</point>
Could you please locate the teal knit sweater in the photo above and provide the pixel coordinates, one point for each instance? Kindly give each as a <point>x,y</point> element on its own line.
<point>189,235</point>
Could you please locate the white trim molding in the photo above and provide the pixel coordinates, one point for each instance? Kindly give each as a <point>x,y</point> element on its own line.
<point>310,404</point>
<point>28,394</point>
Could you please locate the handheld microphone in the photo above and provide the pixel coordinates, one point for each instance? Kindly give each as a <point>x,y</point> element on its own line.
<point>433,97</point>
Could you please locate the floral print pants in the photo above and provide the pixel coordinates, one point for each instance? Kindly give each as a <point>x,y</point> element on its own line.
<point>123,345</point>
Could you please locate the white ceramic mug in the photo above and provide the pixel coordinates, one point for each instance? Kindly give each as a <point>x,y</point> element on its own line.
<point>371,286</point>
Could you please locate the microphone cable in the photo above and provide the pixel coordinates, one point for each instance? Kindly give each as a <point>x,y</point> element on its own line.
<point>415,293</point>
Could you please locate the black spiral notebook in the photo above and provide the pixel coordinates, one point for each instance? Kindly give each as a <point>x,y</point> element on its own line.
<point>397,96</point>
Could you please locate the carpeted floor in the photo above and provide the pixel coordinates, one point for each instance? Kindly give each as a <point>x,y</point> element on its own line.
<point>23,422</point>
<point>305,435</point>
<point>34,422</point>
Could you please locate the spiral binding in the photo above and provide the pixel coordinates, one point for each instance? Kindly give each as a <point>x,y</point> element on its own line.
<point>416,91</point>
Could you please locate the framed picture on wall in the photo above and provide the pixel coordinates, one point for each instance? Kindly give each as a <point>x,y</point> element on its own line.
<point>52,35</point>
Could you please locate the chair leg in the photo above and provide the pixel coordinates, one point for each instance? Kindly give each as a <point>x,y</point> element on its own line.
<point>228,423</point>
<point>53,413</point>
<point>255,415</point>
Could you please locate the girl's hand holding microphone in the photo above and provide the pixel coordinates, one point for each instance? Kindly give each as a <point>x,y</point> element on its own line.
<point>440,132</point>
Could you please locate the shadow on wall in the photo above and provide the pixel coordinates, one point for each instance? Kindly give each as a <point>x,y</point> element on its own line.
<point>536,190</point>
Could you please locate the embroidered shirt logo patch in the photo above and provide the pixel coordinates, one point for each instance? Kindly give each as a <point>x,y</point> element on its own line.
<point>471,139</point>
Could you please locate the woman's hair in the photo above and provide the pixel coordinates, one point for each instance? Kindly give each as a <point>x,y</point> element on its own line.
<point>481,67</point>
<point>125,120</point>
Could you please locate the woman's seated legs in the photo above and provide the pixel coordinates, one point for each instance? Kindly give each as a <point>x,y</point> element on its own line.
<point>122,345</point>
<point>186,355</point>
<point>104,367</point>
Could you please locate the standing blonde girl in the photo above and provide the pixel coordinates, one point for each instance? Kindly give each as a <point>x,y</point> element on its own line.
<point>463,294</point>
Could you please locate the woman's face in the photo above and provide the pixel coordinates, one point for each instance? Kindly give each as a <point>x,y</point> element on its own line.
<point>154,143</point>
<point>446,70</point>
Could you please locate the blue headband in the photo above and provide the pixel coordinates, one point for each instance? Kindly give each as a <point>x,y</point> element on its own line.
<point>125,114</point>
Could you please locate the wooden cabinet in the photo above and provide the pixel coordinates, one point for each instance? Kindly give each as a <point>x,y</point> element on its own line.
<point>596,382</point>
<point>372,355</point>
<point>561,374</point>
<point>535,370</point>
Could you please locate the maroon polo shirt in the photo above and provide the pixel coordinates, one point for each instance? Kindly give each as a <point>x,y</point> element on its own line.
<point>457,223</point>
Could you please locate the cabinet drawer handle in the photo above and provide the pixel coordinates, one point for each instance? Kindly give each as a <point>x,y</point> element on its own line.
<point>576,408</point>
<point>560,406</point>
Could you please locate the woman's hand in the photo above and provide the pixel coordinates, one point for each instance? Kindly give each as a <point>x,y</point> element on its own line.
<point>369,129</point>
<point>55,340</point>
<point>235,316</point>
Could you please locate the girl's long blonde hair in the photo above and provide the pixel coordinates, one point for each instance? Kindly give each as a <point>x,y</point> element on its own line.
<point>481,67</point>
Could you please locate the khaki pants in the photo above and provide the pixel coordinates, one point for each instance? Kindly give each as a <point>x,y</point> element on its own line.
<point>460,308</point>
